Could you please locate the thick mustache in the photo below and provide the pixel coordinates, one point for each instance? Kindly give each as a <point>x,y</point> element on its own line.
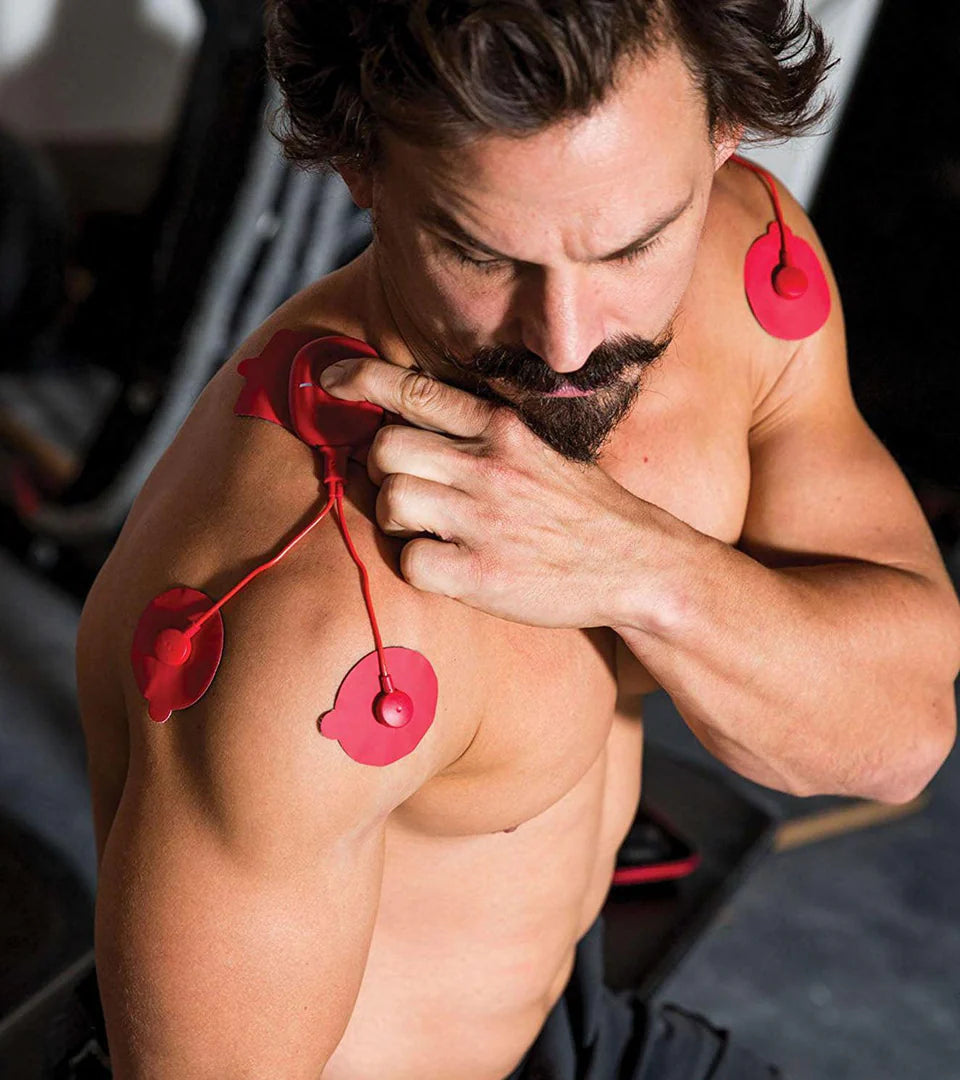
<point>527,371</point>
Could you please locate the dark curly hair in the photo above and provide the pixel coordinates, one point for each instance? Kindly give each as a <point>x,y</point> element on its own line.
<point>440,73</point>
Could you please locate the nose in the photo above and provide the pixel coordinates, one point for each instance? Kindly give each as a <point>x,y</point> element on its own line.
<point>561,319</point>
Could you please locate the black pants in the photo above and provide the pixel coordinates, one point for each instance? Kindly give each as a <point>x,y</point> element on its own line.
<point>593,1033</point>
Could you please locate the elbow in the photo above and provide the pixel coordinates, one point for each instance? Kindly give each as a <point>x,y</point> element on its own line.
<point>921,763</point>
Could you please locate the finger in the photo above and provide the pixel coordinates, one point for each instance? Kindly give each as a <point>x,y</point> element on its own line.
<point>449,569</point>
<point>408,505</point>
<point>400,449</point>
<point>416,396</point>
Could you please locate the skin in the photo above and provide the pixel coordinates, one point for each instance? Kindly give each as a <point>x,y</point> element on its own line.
<point>738,537</point>
<point>693,612</point>
<point>553,314</point>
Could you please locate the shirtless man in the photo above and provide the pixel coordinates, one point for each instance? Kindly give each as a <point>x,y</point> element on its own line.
<point>718,521</point>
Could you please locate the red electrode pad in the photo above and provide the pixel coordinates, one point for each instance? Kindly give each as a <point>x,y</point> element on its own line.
<point>318,418</point>
<point>178,641</point>
<point>785,284</point>
<point>174,670</point>
<point>352,722</point>
<point>802,304</point>
<point>273,379</point>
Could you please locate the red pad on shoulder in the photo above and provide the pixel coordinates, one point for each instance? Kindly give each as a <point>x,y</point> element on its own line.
<point>166,686</point>
<point>790,319</point>
<point>318,417</point>
<point>352,721</point>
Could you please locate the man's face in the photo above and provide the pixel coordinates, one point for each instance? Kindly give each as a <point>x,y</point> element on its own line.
<point>560,297</point>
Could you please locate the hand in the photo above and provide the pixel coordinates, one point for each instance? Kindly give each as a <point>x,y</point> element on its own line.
<point>521,532</point>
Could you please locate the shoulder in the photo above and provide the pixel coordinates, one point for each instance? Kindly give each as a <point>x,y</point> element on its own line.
<point>230,492</point>
<point>741,210</point>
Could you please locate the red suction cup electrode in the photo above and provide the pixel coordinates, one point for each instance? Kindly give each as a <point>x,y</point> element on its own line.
<point>790,300</point>
<point>318,418</point>
<point>353,721</point>
<point>173,668</point>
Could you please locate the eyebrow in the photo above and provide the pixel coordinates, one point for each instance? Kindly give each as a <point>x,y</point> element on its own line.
<point>437,218</point>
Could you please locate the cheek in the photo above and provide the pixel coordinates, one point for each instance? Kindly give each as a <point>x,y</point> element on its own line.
<point>659,291</point>
<point>462,303</point>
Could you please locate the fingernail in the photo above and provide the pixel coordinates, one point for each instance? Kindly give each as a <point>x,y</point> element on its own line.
<point>334,374</point>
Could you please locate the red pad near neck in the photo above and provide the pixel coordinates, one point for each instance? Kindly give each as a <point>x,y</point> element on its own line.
<point>322,419</point>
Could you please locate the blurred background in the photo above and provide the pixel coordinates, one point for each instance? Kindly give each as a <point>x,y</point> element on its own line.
<point>147,224</point>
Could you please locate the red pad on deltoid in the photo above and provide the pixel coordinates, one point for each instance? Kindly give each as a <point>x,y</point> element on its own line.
<point>167,687</point>
<point>352,721</point>
<point>790,319</point>
<point>174,671</point>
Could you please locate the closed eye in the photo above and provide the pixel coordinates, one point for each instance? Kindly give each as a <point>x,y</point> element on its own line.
<point>492,265</point>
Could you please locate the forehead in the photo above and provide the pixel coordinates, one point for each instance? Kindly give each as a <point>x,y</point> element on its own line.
<point>649,135</point>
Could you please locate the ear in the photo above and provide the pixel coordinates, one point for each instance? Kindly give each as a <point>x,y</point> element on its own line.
<point>725,143</point>
<point>360,185</point>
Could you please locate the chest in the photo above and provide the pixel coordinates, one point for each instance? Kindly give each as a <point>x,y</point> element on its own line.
<point>554,699</point>
<point>558,699</point>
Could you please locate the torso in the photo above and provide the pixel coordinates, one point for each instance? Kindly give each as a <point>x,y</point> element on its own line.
<point>464,992</point>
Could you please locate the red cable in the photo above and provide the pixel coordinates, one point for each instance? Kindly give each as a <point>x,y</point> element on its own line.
<point>778,209</point>
<point>191,630</point>
<point>335,462</point>
<point>365,577</point>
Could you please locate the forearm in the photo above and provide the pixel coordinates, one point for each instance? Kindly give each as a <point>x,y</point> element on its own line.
<point>835,678</point>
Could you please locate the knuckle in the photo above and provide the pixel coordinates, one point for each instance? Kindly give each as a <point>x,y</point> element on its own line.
<point>412,561</point>
<point>387,440</point>
<point>494,470</point>
<point>418,390</point>
<point>395,486</point>
<point>509,429</point>
<point>389,499</point>
<point>359,369</point>
<point>474,574</point>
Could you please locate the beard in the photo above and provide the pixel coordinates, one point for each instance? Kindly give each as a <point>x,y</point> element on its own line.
<point>576,427</point>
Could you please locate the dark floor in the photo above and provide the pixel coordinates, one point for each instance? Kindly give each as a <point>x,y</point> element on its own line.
<point>840,959</point>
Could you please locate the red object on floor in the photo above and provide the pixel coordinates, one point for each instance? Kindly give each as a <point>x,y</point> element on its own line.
<point>664,871</point>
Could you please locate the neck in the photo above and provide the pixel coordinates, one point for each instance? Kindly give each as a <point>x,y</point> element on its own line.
<point>382,321</point>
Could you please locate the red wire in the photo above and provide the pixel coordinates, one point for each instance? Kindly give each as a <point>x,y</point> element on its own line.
<point>191,630</point>
<point>334,482</point>
<point>342,522</point>
<point>778,210</point>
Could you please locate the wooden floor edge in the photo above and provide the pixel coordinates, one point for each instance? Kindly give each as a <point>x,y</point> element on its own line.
<point>860,815</point>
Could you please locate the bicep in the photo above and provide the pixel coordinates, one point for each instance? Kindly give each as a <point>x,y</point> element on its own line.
<point>823,487</point>
<point>241,877</point>
<point>213,962</point>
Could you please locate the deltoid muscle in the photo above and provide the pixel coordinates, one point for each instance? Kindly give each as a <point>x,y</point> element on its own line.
<point>785,284</point>
<point>387,700</point>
